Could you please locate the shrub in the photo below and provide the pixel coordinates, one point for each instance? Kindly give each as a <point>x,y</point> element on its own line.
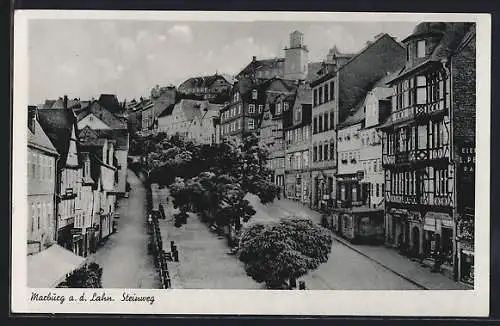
<point>87,276</point>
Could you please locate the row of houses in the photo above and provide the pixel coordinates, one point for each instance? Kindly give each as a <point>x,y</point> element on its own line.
<point>76,169</point>
<point>144,115</point>
<point>383,138</point>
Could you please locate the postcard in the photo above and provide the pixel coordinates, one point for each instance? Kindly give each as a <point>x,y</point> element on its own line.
<point>251,163</point>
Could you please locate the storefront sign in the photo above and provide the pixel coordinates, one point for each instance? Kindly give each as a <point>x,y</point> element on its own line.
<point>430,224</point>
<point>467,158</point>
<point>429,227</point>
<point>447,223</point>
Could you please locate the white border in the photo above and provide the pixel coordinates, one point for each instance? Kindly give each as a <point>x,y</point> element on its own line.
<point>370,303</point>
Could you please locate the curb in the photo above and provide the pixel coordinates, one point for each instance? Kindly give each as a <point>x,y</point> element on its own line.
<point>345,243</point>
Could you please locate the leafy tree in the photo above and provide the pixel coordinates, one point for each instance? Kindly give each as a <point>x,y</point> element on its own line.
<point>87,276</point>
<point>278,252</point>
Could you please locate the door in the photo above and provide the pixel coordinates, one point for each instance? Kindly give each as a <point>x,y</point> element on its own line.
<point>416,241</point>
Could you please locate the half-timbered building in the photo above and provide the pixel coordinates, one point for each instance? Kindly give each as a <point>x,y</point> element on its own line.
<point>432,120</point>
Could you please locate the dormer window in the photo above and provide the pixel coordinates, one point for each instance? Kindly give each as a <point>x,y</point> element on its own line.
<point>421,49</point>
<point>254,94</point>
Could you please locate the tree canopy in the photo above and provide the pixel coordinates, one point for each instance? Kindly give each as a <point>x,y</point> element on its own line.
<point>278,252</point>
<point>210,179</point>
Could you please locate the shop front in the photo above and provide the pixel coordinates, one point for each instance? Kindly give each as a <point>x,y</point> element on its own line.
<point>78,242</point>
<point>323,189</point>
<point>105,227</point>
<point>359,224</point>
<point>65,237</point>
<point>398,232</point>
<point>438,245</point>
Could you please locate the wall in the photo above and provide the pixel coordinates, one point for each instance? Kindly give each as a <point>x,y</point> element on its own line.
<point>373,63</point>
<point>464,93</point>
<point>371,163</point>
<point>40,220</point>
<point>328,136</point>
<point>93,122</point>
<point>296,64</point>
<point>348,146</point>
<point>41,172</point>
<point>121,155</point>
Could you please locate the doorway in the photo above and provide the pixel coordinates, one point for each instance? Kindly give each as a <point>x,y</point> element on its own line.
<point>416,241</point>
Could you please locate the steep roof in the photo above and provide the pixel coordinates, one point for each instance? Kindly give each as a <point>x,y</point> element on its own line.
<point>106,116</point>
<point>58,125</point>
<point>361,72</point>
<point>40,140</point>
<point>453,35</point>
<point>303,98</point>
<point>110,102</point>
<point>192,108</point>
<point>119,135</point>
<point>47,104</point>
<point>261,64</point>
<point>167,111</point>
<point>312,70</point>
<point>203,81</point>
<point>356,116</point>
<point>426,29</point>
<point>304,94</point>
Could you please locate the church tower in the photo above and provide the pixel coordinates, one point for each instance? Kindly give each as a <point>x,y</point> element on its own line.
<point>296,57</point>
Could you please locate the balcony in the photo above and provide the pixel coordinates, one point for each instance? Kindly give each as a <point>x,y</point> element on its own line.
<point>428,199</point>
<point>418,111</point>
<point>426,110</point>
<point>416,156</point>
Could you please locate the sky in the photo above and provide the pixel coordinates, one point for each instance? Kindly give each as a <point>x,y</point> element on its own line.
<point>85,58</point>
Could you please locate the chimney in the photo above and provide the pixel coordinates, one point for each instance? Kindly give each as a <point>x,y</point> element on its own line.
<point>254,58</point>
<point>32,111</point>
<point>65,102</point>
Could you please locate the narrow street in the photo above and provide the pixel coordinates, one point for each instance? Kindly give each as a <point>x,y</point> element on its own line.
<point>124,257</point>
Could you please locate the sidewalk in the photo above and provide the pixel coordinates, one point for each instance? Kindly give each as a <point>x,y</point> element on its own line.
<point>386,257</point>
<point>404,267</point>
<point>204,258</point>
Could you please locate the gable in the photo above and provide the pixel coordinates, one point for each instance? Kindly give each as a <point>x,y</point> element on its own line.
<point>72,158</point>
<point>278,85</point>
<point>93,122</point>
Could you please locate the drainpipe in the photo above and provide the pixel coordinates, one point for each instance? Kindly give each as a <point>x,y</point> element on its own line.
<point>455,169</point>
<point>56,206</point>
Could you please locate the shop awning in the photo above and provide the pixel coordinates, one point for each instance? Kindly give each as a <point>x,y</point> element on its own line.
<point>49,267</point>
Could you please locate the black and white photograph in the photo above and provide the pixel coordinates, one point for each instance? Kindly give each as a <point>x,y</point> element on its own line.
<point>308,157</point>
